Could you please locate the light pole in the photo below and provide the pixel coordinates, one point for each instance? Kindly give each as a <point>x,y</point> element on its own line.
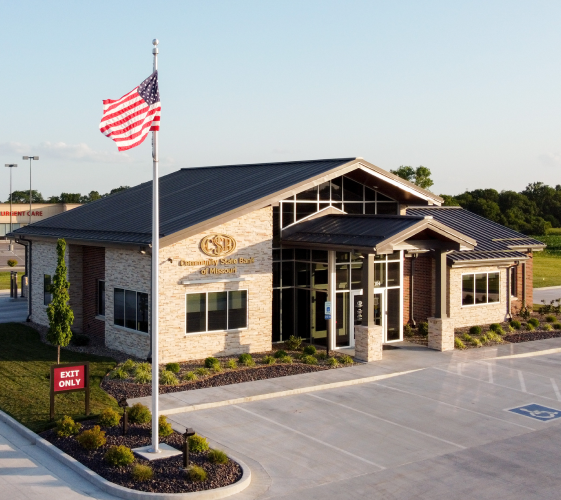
<point>10,166</point>
<point>30,192</point>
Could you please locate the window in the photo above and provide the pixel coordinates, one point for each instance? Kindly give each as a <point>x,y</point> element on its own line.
<point>130,309</point>
<point>513,282</point>
<point>216,311</point>
<point>480,288</point>
<point>47,289</point>
<point>101,298</point>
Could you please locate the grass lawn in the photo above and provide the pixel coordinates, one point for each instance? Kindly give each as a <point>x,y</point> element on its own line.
<point>24,385</point>
<point>5,281</point>
<point>547,269</point>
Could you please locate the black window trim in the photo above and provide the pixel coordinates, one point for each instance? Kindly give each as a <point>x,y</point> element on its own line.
<point>98,299</point>
<point>474,274</point>
<point>227,311</point>
<point>136,306</point>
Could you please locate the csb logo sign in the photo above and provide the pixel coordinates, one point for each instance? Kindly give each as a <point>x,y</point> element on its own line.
<point>218,245</point>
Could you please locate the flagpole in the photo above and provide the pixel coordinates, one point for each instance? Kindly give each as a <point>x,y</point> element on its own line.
<point>155,274</point>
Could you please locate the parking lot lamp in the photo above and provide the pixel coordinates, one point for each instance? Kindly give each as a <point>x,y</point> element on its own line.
<point>10,166</point>
<point>30,192</point>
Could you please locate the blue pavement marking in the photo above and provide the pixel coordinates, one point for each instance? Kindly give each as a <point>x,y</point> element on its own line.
<point>538,412</point>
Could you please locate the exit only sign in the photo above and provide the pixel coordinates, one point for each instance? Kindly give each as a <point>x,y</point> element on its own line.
<point>70,377</point>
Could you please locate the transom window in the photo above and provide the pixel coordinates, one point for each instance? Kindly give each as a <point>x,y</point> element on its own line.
<point>216,311</point>
<point>480,288</point>
<point>130,309</point>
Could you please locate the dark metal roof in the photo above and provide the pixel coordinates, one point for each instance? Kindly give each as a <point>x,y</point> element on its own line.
<point>494,241</point>
<point>349,230</point>
<point>187,197</point>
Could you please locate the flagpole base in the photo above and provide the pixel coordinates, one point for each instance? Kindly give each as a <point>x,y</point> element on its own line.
<point>164,451</point>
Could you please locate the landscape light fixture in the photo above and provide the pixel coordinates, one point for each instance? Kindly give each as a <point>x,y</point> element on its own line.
<point>123,404</point>
<point>10,166</point>
<point>30,192</point>
<point>188,433</point>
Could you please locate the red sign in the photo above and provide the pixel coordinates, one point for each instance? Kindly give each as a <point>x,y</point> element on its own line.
<point>69,378</point>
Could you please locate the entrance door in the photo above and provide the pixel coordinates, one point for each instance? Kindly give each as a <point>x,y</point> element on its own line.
<point>319,323</point>
<point>355,318</point>
<point>387,313</point>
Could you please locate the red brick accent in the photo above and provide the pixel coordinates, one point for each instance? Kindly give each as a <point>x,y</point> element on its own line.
<point>423,292</point>
<point>93,271</point>
<point>516,304</point>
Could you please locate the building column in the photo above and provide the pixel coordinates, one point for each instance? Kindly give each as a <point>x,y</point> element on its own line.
<point>441,327</point>
<point>331,323</point>
<point>368,336</point>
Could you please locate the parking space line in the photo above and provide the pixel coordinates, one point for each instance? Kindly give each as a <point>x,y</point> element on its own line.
<point>454,406</point>
<point>497,365</point>
<point>490,370</point>
<point>388,421</point>
<point>307,436</point>
<point>555,389</point>
<point>522,383</point>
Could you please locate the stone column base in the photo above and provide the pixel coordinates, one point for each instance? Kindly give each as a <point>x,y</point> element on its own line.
<point>441,334</point>
<point>368,343</point>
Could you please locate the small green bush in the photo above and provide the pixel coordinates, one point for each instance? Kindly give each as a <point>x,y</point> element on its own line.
<point>92,439</point>
<point>310,350</point>
<point>408,331</point>
<point>197,444</point>
<point>499,330</point>
<point>534,322</point>
<point>217,368</point>
<point>423,328</point>
<point>494,326</point>
<point>547,327</point>
<point>12,262</point>
<point>202,372</point>
<point>66,427</point>
<point>309,360</point>
<point>129,365</point>
<point>285,359</point>
<point>475,342</point>
<point>321,355</point>
<point>119,456</point>
<point>142,473</point>
<point>142,377</point>
<point>345,359</point>
<point>210,362</point>
<point>217,457</point>
<point>246,360</point>
<point>484,339</point>
<point>173,367</point>
<point>146,367</point>
<point>164,427</point>
<point>139,414</point>
<point>80,340</point>
<point>168,378</point>
<point>196,473</point>
<point>269,360</point>
<point>332,362</point>
<point>496,338</point>
<point>515,324</point>
<point>458,344</point>
<point>293,343</point>
<point>119,374</point>
<point>231,364</point>
<point>550,319</point>
<point>109,418</point>
<point>189,376</point>
<point>279,354</point>
<point>510,328</point>
<point>557,326</point>
<point>530,327</point>
<point>475,330</point>
<point>466,337</point>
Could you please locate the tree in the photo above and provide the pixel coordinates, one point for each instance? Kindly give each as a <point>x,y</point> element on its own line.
<point>23,197</point>
<point>419,176</point>
<point>59,312</point>
<point>117,190</point>
<point>93,196</point>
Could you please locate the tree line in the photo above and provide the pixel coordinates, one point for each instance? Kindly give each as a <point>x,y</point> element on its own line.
<point>37,197</point>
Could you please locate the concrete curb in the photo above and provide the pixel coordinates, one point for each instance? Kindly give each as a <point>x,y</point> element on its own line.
<point>280,394</point>
<point>121,491</point>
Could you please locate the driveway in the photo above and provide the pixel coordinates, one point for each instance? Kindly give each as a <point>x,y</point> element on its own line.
<point>12,310</point>
<point>440,432</point>
<point>548,294</point>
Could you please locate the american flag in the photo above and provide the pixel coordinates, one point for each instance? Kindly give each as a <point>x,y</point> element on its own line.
<point>129,119</point>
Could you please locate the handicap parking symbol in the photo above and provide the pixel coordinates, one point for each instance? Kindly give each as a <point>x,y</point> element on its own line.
<point>538,412</point>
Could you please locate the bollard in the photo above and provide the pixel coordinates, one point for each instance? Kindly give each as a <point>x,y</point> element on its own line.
<point>15,285</point>
<point>188,432</point>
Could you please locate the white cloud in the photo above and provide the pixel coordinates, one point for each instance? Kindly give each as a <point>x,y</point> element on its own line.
<point>551,159</point>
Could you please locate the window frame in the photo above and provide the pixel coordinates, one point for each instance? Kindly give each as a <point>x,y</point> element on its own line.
<point>45,292</point>
<point>135,330</point>
<point>474,274</point>
<point>513,278</point>
<point>98,309</point>
<point>186,333</point>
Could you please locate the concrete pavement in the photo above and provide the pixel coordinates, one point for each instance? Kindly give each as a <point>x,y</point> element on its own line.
<point>547,293</point>
<point>12,310</point>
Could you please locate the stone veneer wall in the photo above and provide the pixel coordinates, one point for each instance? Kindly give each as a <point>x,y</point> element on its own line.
<point>44,262</point>
<point>477,314</point>
<point>253,234</point>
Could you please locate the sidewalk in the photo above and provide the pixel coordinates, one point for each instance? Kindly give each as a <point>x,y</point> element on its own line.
<point>547,293</point>
<point>12,310</point>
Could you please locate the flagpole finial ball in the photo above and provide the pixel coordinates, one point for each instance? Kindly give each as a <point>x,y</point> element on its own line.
<point>155,41</point>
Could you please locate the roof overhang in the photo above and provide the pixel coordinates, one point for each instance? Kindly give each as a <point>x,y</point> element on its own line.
<point>458,264</point>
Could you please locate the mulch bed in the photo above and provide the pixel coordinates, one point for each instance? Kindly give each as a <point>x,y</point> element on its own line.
<point>168,474</point>
<point>515,338</point>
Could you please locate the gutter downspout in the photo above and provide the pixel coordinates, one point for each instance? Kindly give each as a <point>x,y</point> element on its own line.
<point>412,285</point>
<point>28,269</point>
<point>524,283</point>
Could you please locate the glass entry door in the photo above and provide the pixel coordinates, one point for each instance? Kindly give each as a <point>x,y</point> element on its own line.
<point>387,313</point>
<point>319,323</point>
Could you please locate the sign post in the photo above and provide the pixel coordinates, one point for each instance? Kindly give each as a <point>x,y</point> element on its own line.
<point>70,377</point>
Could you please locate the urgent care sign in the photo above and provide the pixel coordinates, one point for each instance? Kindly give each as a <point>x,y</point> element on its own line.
<point>69,378</point>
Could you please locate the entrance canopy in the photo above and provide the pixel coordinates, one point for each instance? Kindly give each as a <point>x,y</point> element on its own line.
<point>379,234</point>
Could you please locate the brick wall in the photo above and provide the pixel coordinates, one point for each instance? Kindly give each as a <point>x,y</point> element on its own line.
<point>75,266</point>
<point>517,301</point>
<point>93,271</point>
<point>423,293</point>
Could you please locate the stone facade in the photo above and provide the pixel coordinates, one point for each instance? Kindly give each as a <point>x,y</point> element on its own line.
<point>368,343</point>
<point>44,262</point>
<point>441,334</point>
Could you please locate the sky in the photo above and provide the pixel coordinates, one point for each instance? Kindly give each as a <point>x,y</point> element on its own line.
<point>469,89</point>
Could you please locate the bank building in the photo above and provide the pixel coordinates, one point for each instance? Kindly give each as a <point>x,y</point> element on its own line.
<point>251,254</point>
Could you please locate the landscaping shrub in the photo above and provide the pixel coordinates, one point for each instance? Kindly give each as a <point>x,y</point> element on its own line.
<point>196,473</point>
<point>279,354</point>
<point>346,359</point>
<point>423,328</point>
<point>142,473</point>
<point>332,362</point>
<point>466,337</point>
<point>475,330</point>
<point>246,360</point>
<point>197,444</point>
<point>320,355</point>
<point>499,330</point>
<point>217,368</point>
<point>547,327</point>
<point>146,367</point>
<point>164,427</point>
<point>458,344</point>
<point>142,377</point>
<point>515,324</point>
<point>173,367</point>
<point>92,439</point>
<point>494,327</point>
<point>557,326</point>
<point>202,372</point>
<point>285,359</point>
<point>269,360</point>
<point>217,457</point>
<point>494,337</point>
<point>232,364</point>
<point>67,427</point>
<point>407,330</point>
<point>530,327</point>
<point>129,365</point>
<point>210,362</point>
<point>168,378</point>
<point>550,319</point>
<point>310,350</point>
<point>80,340</point>
<point>139,414</point>
<point>484,339</point>
<point>189,376</point>
<point>12,263</point>
<point>118,374</point>
<point>119,456</point>
<point>510,328</point>
<point>109,418</point>
<point>525,313</point>
<point>475,342</point>
<point>309,360</point>
<point>293,343</point>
